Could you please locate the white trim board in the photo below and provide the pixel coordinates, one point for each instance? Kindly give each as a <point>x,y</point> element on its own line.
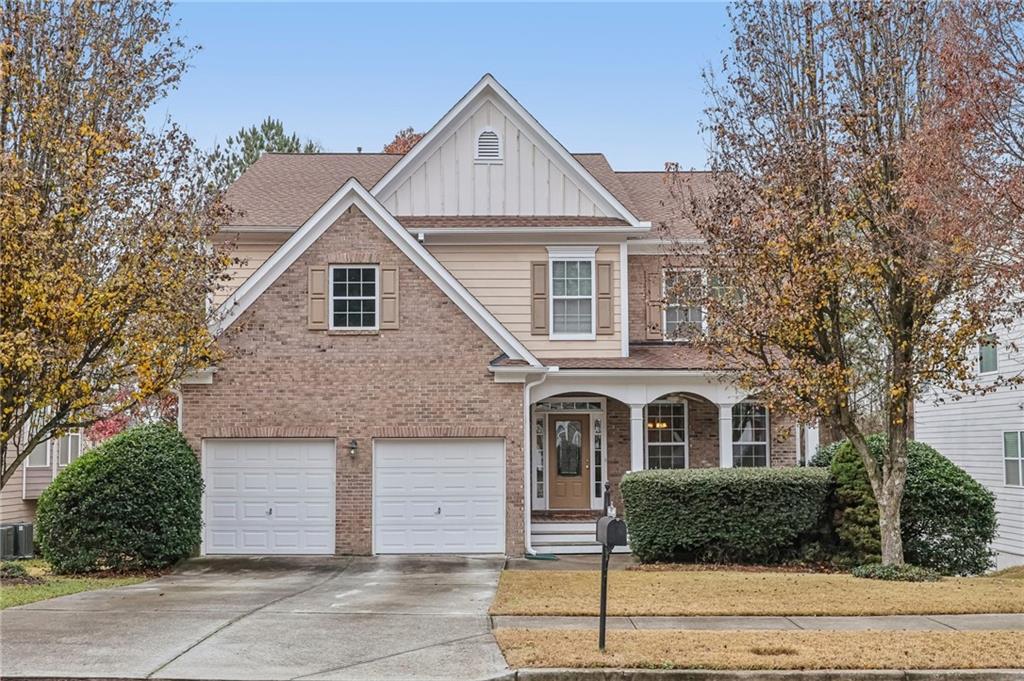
<point>354,194</point>
<point>488,86</point>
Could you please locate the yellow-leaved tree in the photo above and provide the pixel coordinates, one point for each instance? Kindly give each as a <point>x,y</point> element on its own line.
<point>106,261</point>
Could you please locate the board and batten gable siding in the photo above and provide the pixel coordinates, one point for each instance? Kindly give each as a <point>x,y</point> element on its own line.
<point>970,433</point>
<point>526,182</point>
<point>499,277</point>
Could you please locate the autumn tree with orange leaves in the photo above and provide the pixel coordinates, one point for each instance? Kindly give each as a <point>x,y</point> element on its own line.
<point>404,141</point>
<point>864,228</point>
<point>105,225</point>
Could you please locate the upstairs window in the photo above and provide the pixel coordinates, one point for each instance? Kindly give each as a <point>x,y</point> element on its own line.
<point>354,297</point>
<point>749,435</point>
<point>39,456</point>
<point>69,447</point>
<point>988,355</point>
<point>684,316</point>
<point>572,297</point>
<point>1013,457</point>
<point>488,146</point>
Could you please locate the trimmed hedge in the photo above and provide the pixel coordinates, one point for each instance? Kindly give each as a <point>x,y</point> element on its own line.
<point>131,503</point>
<point>896,573</point>
<point>948,518</point>
<point>732,515</point>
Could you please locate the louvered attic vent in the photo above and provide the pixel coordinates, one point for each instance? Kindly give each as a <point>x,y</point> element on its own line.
<point>488,147</point>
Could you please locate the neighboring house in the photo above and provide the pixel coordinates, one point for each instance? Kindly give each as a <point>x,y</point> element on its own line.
<point>18,498</point>
<point>453,350</point>
<point>984,435</point>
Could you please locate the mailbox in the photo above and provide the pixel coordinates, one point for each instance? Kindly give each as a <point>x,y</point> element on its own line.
<point>611,532</point>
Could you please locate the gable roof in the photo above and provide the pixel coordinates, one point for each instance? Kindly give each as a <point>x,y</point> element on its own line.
<point>353,193</point>
<point>489,88</point>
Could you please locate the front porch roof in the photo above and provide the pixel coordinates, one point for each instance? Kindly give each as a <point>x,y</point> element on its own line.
<point>642,356</point>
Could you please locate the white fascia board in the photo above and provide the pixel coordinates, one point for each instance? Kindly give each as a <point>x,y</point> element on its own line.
<point>528,124</point>
<point>353,193</point>
<point>549,231</point>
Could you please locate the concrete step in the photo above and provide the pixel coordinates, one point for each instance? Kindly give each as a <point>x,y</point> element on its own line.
<point>573,547</point>
<point>563,537</point>
<point>551,527</point>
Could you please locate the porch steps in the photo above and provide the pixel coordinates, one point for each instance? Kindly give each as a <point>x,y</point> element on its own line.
<point>566,537</point>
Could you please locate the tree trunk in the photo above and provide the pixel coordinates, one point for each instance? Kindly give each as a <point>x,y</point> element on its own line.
<point>889,528</point>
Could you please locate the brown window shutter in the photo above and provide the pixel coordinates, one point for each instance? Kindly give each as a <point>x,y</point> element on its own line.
<point>318,297</point>
<point>605,312</point>
<point>389,297</point>
<point>539,298</point>
<point>652,325</point>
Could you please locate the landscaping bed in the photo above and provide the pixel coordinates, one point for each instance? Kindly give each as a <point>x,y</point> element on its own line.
<point>41,584</point>
<point>764,650</point>
<point>693,592</point>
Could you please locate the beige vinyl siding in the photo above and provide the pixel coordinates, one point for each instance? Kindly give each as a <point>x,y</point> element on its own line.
<point>526,182</point>
<point>14,508</point>
<point>499,277</point>
<point>970,433</point>
<point>253,251</point>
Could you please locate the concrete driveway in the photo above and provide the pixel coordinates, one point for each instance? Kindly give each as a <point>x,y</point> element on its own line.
<point>270,618</point>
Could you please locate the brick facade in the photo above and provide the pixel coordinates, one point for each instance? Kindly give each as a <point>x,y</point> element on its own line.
<point>428,378</point>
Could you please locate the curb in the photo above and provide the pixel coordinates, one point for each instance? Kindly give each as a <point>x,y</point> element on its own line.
<point>769,675</point>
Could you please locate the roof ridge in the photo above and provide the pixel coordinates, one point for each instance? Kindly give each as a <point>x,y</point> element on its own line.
<point>329,153</point>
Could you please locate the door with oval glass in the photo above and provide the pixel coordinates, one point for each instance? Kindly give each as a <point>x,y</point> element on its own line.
<point>569,461</point>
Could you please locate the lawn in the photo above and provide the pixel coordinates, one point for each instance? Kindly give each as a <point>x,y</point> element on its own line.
<point>637,592</point>
<point>51,586</point>
<point>764,650</point>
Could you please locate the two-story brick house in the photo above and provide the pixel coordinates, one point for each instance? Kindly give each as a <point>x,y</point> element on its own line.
<point>452,350</point>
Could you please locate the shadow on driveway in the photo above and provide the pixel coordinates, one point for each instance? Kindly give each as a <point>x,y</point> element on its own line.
<point>389,617</point>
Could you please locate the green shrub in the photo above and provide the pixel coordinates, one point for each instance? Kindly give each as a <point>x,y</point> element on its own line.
<point>948,519</point>
<point>823,457</point>
<point>12,570</point>
<point>896,573</point>
<point>733,515</point>
<point>131,503</point>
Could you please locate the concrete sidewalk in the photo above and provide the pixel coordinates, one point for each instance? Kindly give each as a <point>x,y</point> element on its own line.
<point>883,623</point>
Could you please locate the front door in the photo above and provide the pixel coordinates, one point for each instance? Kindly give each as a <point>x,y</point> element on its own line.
<point>569,461</point>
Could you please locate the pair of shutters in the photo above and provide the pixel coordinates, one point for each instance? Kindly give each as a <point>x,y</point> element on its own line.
<point>319,308</point>
<point>539,299</point>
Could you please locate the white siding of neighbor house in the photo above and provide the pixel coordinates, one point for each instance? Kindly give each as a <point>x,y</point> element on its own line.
<point>499,277</point>
<point>970,432</point>
<point>527,181</point>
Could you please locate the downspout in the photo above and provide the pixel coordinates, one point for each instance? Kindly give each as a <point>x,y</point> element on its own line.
<point>528,462</point>
<point>181,406</point>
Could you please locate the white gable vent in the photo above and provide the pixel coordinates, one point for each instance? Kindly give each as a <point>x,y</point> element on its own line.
<point>488,146</point>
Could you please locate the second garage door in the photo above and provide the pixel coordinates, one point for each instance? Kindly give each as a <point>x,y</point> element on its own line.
<point>439,496</point>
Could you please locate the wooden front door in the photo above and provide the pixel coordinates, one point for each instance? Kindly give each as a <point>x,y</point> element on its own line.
<point>569,461</point>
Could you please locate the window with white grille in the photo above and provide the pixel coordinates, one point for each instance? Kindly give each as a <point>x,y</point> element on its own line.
<point>488,146</point>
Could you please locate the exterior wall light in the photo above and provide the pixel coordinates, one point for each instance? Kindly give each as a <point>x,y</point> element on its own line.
<point>353,448</point>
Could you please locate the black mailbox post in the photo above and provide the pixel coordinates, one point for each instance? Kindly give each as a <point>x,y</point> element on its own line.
<point>611,532</point>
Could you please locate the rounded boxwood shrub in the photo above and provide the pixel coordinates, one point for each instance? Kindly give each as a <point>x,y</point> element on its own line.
<point>132,503</point>
<point>948,518</point>
<point>732,515</point>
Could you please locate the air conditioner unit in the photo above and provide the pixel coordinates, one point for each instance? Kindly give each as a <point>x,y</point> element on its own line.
<point>6,542</point>
<point>23,547</point>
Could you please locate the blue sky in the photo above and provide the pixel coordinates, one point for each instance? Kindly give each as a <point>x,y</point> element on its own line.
<point>623,79</point>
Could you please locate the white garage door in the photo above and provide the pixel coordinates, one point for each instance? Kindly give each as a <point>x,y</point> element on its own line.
<point>269,496</point>
<point>439,496</point>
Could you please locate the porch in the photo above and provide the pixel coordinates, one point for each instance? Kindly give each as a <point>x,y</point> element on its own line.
<point>582,438</point>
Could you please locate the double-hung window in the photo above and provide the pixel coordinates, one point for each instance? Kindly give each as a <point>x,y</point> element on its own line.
<point>684,315</point>
<point>572,293</point>
<point>39,457</point>
<point>749,435</point>
<point>354,293</point>
<point>666,435</point>
<point>69,447</point>
<point>988,355</point>
<point>1013,457</point>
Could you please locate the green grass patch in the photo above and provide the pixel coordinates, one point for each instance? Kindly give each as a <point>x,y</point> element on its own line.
<point>52,586</point>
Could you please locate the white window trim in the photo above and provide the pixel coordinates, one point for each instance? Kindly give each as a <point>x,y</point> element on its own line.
<point>331,297</point>
<point>476,148</point>
<point>71,455</point>
<point>572,254</point>
<point>665,272</point>
<point>996,345</point>
<point>767,434</point>
<point>46,447</point>
<point>686,430</point>
<point>1020,457</point>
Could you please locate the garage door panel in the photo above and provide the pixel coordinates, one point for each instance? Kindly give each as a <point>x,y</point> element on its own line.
<point>464,478</point>
<point>248,478</point>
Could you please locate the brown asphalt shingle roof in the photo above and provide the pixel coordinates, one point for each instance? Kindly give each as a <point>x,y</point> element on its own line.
<point>283,190</point>
<point>641,356</point>
<point>413,222</point>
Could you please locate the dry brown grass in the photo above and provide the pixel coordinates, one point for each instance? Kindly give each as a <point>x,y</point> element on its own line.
<point>765,650</point>
<point>748,593</point>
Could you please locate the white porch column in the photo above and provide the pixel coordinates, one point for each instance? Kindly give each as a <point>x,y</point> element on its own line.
<point>725,435</point>
<point>636,437</point>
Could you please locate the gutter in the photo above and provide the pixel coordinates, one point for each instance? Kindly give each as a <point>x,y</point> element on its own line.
<point>527,460</point>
